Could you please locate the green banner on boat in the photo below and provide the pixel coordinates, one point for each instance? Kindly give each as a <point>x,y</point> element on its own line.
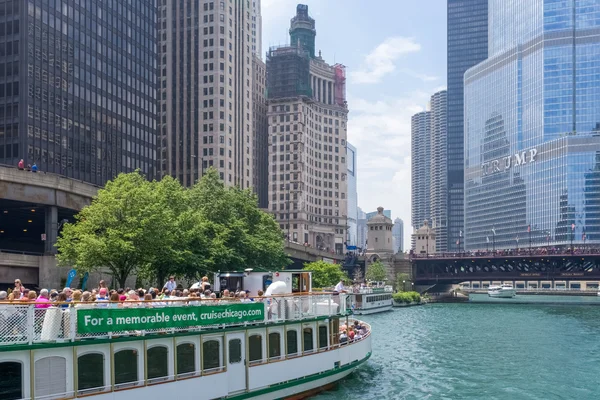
<point>101,320</point>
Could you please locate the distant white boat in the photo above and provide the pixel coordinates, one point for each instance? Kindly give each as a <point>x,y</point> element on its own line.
<point>371,300</point>
<point>505,291</point>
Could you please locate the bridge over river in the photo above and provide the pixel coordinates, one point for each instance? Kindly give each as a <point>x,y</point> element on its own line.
<point>510,265</point>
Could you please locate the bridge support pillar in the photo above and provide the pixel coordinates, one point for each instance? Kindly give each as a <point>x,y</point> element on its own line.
<point>51,229</point>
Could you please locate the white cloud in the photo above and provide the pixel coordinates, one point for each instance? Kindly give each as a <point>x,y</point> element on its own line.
<point>380,130</point>
<point>380,61</point>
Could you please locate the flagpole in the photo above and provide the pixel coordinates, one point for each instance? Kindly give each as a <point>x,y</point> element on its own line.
<point>529,230</point>
<point>572,233</point>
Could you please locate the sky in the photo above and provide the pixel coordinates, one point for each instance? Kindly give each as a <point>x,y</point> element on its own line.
<point>395,57</point>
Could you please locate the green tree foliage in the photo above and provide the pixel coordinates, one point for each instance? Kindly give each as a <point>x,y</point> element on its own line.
<point>156,229</point>
<point>402,282</point>
<point>407,297</point>
<point>376,272</point>
<point>325,274</point>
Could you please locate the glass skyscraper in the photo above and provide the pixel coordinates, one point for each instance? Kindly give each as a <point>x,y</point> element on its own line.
<point>438,174</point>
<point>467,45</point>
<point>78,86</point>
<point>420,169</point>
<point>532,127</point>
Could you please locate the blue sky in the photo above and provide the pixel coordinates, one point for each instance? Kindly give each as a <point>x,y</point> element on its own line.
<point>395,55</point>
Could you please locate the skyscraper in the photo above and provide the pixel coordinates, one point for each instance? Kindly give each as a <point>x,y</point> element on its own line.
<point>257,28</point>
<point>307,126</point>
<point>438,175</point>
<point>78,87</point>
<point>206,83</point>
<point>361,228</point>
<point>420,168</point>
<point>260,132</point>
<point>531,147</point>
<point>398,235</point>
<point>467,45</point>
<point>352,196</point>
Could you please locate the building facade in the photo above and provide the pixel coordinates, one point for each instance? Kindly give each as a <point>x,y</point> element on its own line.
<point>398,235</point>
<point>361,228</point>
<point>387,213</point>
<point>467,45</point>
<point>75,99</point>
<point>307,118</point>
<point>424,239</point>
<point>206,86</point>
<point>260,132</point>
<point>380,246</point>
<point>420,168</point>
<point>532,150</point>
<point>257,28</point>
<point>352,196</point>
<point>438,172</point>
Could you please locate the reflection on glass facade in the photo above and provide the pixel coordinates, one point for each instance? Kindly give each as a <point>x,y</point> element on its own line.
<point>467,45</point>
<point>532,127</point>
<point>77,86</point>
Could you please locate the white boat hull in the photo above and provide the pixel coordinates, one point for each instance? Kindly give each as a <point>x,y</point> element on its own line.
<point>503,294</point>
<point>374,310</point>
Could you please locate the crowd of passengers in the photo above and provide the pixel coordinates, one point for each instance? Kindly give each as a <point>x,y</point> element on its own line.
<point>151,297</point>
<point>525,251</point>
<point>352,332</point>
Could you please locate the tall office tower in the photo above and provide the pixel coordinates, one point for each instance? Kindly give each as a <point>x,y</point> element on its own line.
<point>257,28</point>
<point>307,126</point>
<point>438,176</point>
<point>73,102</point>
<point>260,132</point>
<point>532,148</point>
<point>352,196</point>
<point>398,235</point>
<point>206,90</point>
<point>467,45</point>
<point>361,228</point>
<point>420,168</point>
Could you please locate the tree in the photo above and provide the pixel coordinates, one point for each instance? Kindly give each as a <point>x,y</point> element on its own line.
<point>242,235</point>
<point>121,230</point>
<point>358,275</point>
<point>325,274</point>
<point>401,280</point>
<point>156,229</point>
<point>376,272</point>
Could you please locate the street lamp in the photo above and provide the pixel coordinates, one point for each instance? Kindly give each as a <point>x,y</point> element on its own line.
<point>404,286</point>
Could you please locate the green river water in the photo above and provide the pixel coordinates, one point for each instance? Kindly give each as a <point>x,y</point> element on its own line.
<point>480,351</point>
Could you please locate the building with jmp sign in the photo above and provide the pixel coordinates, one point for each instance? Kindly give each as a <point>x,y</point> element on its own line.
<point>532,130</point>
<point>103,320</point>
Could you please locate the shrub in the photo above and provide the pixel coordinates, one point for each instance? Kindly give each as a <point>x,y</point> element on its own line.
<point>407,297</point>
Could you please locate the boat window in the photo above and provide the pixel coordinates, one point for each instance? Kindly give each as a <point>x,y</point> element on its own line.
<point>210,354</point>
<point>255,349</point>
<point>292,342</point>
<point>90,372</point>
<point>333,330</point>
<point>274,345</point>
<point>307,336</point>
<point>51,377</point>
<point>322,337</point>
<point>186,358</point>
<point>235,351</point>
<point>11,380</point>
<point>126,366</point>
<point>157,358</point>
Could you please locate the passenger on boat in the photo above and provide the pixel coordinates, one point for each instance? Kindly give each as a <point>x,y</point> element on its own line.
<point>43,301</point>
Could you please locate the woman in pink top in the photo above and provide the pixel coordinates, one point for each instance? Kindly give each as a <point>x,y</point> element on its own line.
<point>43,300</point>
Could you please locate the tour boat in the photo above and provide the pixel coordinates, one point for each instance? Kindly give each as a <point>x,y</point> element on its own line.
<point>370,300</point>
<point>278,346</point>
<point>504,291</point>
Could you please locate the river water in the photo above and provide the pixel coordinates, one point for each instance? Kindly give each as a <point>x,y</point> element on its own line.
<point>480,351</point>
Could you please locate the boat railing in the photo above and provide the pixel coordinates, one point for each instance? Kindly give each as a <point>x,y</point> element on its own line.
<point>23,323</point>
